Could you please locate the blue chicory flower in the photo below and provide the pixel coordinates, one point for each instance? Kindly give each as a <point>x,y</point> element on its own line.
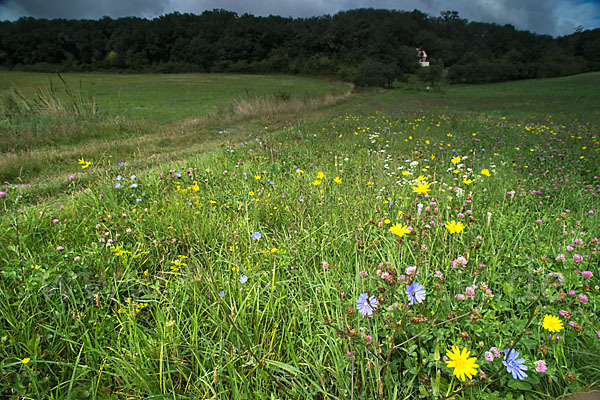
<point>515,365</point>
<point>415,293</point>
<point>366,304</point>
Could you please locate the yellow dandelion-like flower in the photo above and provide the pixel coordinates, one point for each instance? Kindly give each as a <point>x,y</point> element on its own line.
<point>26,360</point>
<point>84,164</point>
<point>455,227</point>
<point>467,181</point>
<point>337,179</point>
<point>398,229</point>
<point>456,160</point>
<point>486,172</point>
<point>552,323</point>
<point>421,188</point>
<point>316,182</point>
<point>462,364</point>
<point>320,175</point>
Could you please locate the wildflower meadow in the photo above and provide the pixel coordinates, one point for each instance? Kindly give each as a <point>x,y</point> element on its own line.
<point>374,254</point>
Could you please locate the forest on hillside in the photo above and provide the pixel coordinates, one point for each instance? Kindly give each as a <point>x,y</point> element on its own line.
<point>344,46</point>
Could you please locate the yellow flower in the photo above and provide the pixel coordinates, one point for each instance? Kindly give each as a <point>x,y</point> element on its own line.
<point>462,364</point>
<point>398,229</point>
<point>467,181</point>
<point>421,188</point>
<point>84,164</point>
<point>552,323</point>
<point>337,179</point>
<point>257,177</point>
<point>455,160</point>
<point>320,175</point>
<point>405,173</point>
<point>485,172</point>
<point>454,227</point>
<point>26,360</point>
<point>316,182</point>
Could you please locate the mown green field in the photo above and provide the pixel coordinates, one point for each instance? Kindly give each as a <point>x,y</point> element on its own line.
<point>393,244</point>
<point>169,97</point>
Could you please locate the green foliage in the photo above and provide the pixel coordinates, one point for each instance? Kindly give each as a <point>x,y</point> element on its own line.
<point>332,46</point>
<point>376,74</point>
<point>432,74</point>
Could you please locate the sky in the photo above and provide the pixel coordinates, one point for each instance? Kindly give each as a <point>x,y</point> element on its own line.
<point>549,17</point>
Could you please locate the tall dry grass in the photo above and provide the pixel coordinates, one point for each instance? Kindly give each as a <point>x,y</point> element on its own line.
<point>251,105</point>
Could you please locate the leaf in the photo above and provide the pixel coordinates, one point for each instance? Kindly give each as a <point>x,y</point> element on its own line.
<point>533,379</point>
<point>283,366</point>
<point>519,385</point>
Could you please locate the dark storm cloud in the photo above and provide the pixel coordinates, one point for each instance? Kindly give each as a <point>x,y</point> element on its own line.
<point>80,9</point>
<point>554,17</point>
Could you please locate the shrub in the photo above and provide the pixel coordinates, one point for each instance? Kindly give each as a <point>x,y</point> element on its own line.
<point>373,73</point>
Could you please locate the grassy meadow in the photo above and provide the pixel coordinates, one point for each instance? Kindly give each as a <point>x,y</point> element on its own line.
<point>298,240</point>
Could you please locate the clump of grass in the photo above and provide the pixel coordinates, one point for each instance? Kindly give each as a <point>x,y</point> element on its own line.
<point>53,114</point>
<point>52,101</point>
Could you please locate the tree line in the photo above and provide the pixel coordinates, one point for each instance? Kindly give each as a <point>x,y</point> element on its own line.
<point>353,45</point>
